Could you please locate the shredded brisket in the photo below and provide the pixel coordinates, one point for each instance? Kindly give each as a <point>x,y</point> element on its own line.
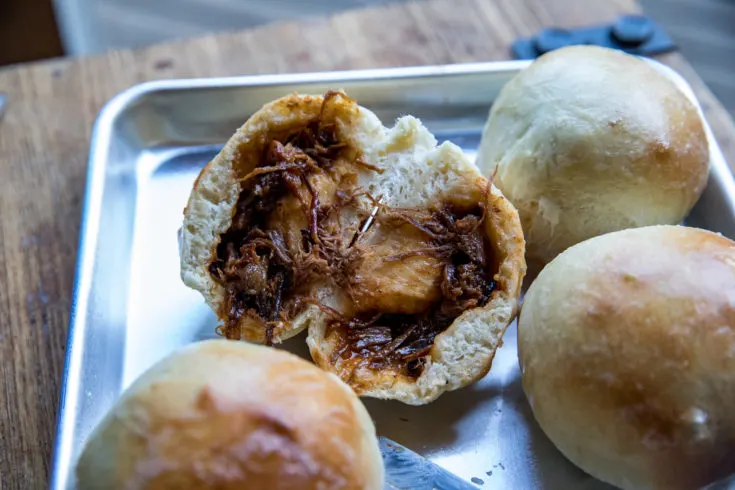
<point>260,272</point>
<point>253,264</point>
<point>403,341</point>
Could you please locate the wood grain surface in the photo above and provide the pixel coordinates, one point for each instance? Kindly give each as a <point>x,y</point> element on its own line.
<point>44,140</point>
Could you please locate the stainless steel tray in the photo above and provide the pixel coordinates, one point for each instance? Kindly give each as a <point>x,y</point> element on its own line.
<point>130,307</point>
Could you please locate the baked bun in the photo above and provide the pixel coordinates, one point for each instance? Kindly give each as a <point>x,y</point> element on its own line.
<point>589,140</point>
<point>231,415</point>
<point>627,352</point>
<point>277,237</point>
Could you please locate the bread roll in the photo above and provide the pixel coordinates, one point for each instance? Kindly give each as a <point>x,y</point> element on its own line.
<point>627,352</point>
<point>274,237</point>
<point>229,415</point>
<point>589,140</point>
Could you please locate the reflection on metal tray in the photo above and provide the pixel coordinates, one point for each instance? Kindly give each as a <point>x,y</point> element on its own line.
<point>130,307</point>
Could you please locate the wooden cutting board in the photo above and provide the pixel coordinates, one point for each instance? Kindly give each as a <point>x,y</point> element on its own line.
<point>44,140</point>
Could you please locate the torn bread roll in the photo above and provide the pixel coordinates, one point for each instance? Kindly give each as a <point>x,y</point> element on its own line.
<point>279,236</point>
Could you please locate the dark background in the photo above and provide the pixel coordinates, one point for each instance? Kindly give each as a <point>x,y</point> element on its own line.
<point>27,31</point>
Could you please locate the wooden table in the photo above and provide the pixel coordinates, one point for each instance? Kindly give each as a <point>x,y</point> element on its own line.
<point>44,141</point>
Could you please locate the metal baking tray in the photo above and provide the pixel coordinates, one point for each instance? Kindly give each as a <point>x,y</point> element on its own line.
<point>130,308</point>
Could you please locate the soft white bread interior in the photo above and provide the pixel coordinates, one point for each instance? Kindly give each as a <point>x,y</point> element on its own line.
<point>589,140</point>
<point>230,415</point>
<point>627,351</point>
<point>428,196</point>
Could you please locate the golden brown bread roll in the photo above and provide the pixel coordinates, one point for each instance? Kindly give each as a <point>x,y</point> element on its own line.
<point>627,351</point>
<point>589,140</point>
<point>415,305</point>
<point>231,415</point>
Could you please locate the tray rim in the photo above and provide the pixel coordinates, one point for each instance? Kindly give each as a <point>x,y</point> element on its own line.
<point>62,448</point>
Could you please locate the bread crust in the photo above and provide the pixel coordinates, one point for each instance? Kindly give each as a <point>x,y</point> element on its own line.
<point>232,415</point>
<point>589,140</point>
<point>627,352</point>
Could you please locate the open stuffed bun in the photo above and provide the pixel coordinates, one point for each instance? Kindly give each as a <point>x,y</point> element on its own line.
<point>403,262</point>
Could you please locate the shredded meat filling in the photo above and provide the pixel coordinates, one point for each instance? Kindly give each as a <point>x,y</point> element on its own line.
<point>403,341</point>
<point>252,262</point>
<point>262,266</point>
